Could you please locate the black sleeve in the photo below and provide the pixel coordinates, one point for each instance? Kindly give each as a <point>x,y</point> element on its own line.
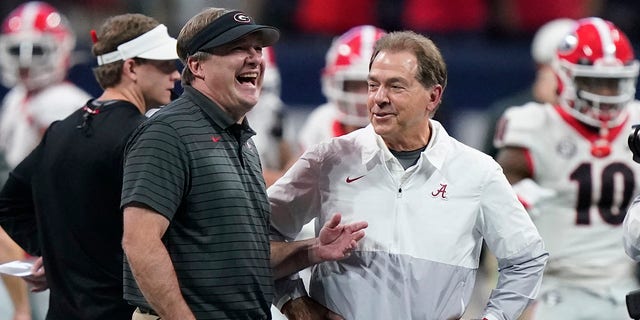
<point>17,210</point>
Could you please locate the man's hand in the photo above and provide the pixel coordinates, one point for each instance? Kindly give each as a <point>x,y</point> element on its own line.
<point>37,279</point>
<point>305,308</point>
<point>336,241</point>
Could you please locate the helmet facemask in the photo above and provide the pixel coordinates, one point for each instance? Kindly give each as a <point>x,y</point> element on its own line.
<point>33,60</point>
<point>598,100</point>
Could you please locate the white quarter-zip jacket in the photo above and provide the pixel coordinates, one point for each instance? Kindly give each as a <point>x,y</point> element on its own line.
<point>420,255</point>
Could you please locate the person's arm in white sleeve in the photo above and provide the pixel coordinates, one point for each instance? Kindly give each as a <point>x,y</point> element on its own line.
<point>296,187</point>
<point>514,240</point>
<point>295,201</point>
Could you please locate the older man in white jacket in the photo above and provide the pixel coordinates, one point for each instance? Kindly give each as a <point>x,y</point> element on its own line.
<point>430,202</point>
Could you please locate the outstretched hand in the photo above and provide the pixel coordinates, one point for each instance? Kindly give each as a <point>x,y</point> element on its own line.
<point>336,241</point>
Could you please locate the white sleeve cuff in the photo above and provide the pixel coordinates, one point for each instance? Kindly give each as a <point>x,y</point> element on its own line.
<point>287,289</point>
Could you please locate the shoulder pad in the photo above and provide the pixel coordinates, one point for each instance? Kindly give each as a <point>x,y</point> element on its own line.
<point>520,122</point>
<point>528,116</point>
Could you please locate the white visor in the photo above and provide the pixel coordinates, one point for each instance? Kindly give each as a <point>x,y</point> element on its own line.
<point>155,44</point>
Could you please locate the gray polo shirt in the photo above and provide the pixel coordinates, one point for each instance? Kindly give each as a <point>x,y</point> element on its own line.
<point>191,163</point>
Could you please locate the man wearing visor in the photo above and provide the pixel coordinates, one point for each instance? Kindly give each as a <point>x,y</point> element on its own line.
<point>63,201</point>
<point>196,215</point>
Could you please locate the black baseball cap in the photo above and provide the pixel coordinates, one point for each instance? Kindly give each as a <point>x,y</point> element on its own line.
<point>228,28</point>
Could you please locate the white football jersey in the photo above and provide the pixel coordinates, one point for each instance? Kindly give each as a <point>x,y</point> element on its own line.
<point>581,224</point>
<point>319,126</point>
<point>24,118</point>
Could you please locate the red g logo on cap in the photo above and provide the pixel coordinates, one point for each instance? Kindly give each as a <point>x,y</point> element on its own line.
<point>241,17</point>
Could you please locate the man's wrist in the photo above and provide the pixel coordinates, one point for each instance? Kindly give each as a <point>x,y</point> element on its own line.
<point>312,252</point>
<point>289,305</point>
<point>284,300</point>
<point>288,289</point>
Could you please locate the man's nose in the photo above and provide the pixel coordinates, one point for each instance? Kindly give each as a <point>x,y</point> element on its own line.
<point>380,96</point>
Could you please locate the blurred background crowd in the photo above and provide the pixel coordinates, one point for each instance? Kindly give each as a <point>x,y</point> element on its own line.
<point>486,43</point>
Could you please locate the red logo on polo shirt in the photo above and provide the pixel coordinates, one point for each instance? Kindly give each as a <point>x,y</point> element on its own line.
<point>215,138</point>
<point>349,180</point>
<point>442,192</point>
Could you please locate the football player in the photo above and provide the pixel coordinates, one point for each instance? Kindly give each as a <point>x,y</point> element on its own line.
<point>344,84</point>
<point>35,55</point>
<point>572,168</point>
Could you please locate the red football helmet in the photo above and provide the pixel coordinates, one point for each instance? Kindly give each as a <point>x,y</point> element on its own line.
<point>271,82</point>
<point>35,46</point>
<point>597,73</point>
<point>347,64</point>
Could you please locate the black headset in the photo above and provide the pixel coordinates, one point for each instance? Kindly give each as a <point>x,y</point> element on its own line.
<point>634,143</point>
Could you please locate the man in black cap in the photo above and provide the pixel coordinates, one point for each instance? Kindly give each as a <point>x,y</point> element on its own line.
<point>196,215</point>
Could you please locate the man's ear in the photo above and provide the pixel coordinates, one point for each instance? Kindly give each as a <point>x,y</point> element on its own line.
<point>195,67</point>
<point>434,98</point>
<point>129,69</point>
